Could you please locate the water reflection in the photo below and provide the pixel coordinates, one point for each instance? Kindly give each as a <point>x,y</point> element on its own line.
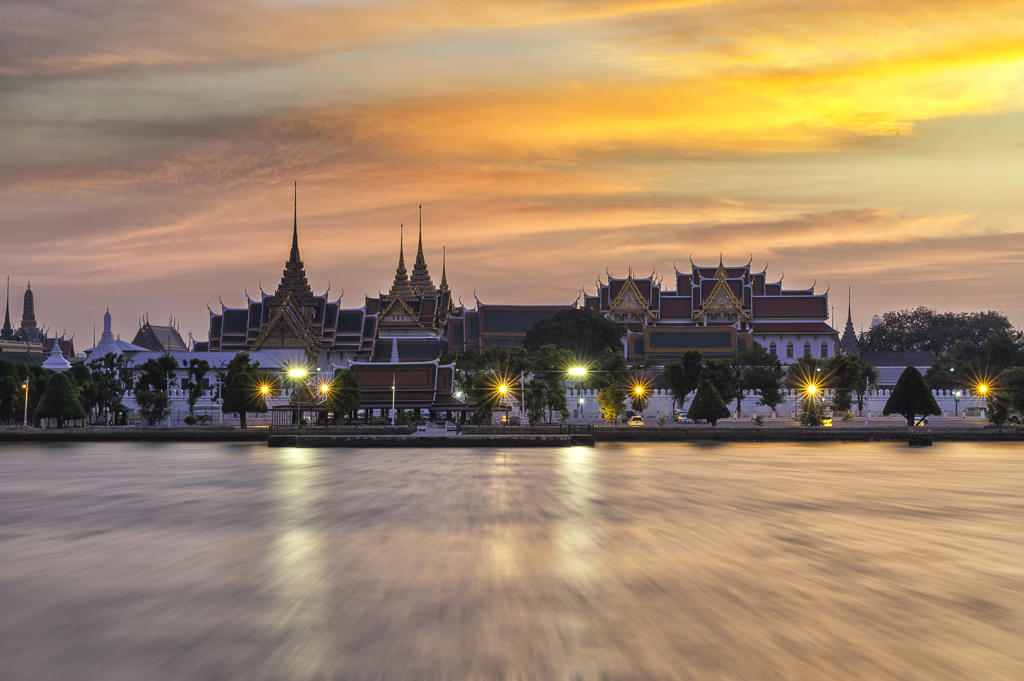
<point>576,530</point>
<point>739,562</point>
<point>296,556</point>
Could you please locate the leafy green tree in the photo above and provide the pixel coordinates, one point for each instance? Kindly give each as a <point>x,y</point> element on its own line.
<point>708,404</point>
<point>583,332</point>
<point>612,400</point>
<point>535,401</point>
<point>911,397</point>
<point>753,369</point>
<point>718,372</point>
<point>60,400</point>
<point>766,380</point>
<point>868,380</point>
<point>344,396</point>
<point>924,329</point>
<point>549,364</point>
<point>844,372</point>
<point>151,388</point>
<point>86,388</point>
<point>111,378</point>
<point>683,376</point>
<point>997,408</point>
<point>241,393</point>
<point>195,383</point>
<point>813,410</point>
<point>1012,385</point>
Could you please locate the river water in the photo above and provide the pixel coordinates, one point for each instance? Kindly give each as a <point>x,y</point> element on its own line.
<point>632,561</point>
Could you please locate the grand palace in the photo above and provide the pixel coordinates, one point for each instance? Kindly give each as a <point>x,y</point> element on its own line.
<point>401,337</point>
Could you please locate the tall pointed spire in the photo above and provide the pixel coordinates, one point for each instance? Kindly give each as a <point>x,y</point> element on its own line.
<point>294,255</point>
<point>444,268</point>
<point>420,280</point>
<point>293,279</point>
<point>401,284</point>
<point>8,331</point>
<point>848,344</point>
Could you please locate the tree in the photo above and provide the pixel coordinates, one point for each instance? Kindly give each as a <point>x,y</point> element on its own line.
<point>997,408</point>
<point>151,388</point>
<point>535,402</point>
<point>195,384</point>
<point>767,380</point>
<point>753,369</point>
<point>10,398</point>
<point>911,397</point>
<point>548,366</point>
<point>1012,385</point>
<point>111,377</point>
<point>683,376</point>
<point>86,387</point>
<point>612,399</point>
<point>844,374</point>
<point>241,388</point>
<point>868,380</point>
<point>708,404</point>
<point>583,332</point>
<point>60,400</point>
<point>924,329</point>
<point>718,372</point>
<point>344,396</point>
<point>813,409</point>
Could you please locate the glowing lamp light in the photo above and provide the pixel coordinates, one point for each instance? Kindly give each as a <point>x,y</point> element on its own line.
<point>577,371</point>
<point>639,390</point>
<point>297,372</point>
<point>265,389</point>
<point>811,389</point>
<point>502,388</point>
<point>982,388</point>
<point>325,388</point>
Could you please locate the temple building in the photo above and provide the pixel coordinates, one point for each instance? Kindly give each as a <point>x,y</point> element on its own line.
<point>28,343</point>
<point>716,310</point>
<point>110,345</point>
<point>395,338</point>
<point>29,330</point>
<point>848,343</point>
<point>157,337</point>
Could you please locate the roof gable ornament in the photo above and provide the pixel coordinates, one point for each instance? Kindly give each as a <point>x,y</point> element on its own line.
<point>630,302</point>
<point>721,304</point>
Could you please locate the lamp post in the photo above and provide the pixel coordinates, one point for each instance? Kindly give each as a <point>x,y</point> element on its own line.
<point>25,386</point>
<point>298,374</point>
<point>394,382</point>
<point>956,402</point>
<point>579,373</point>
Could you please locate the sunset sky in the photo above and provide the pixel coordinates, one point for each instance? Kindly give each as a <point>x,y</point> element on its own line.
<point>148,148</point>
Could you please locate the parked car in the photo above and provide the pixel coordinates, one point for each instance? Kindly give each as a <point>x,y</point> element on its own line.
<point>635,421</point>
<point>826,422</point>
<point>680,417</point>
<point>920,420</point>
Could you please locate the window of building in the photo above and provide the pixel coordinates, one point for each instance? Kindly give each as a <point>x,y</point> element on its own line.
<point>772,348</point>
<point>824,350</point>
<point>789,350</point>
<point>807,348</point>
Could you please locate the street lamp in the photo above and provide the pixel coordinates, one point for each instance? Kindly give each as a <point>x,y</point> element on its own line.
<point>25,386</point>
<point>956,402</point>
<point>393,382</point>
<point>578,371</point>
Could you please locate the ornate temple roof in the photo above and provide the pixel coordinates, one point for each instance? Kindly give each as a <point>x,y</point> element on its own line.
<point>293,279</point>
<point>420,280</point>
<point>401,285</point>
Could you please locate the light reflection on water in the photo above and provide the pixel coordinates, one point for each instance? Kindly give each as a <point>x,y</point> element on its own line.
<point>748,561</point>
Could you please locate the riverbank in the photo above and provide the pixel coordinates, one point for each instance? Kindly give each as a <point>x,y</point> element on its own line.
<point>384,436</point>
